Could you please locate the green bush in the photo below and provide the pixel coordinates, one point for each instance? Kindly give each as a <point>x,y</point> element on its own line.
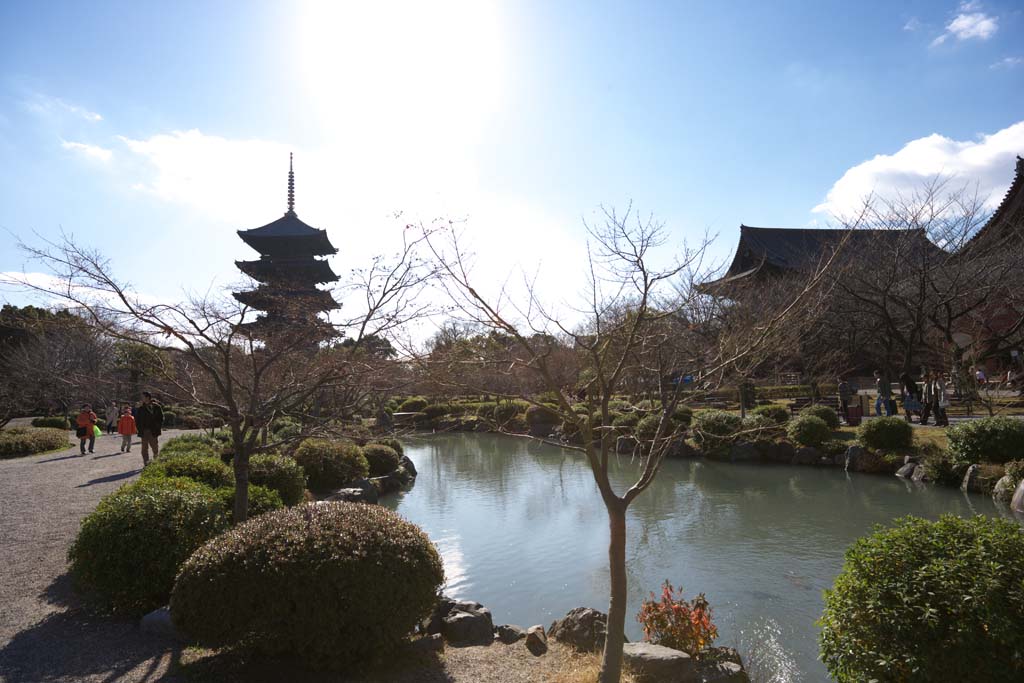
<point>435,410</point>
<point>130,547</point>
<point>55,422</point>
<point>199,444</point>
<point>834,447</point>
<point>200,468</point>
<point>715,429</point>
<point>647,427</point>
<point>307,582</point>
<point>170,418</point>
<point>285,422</point>
<point>940,465</point>
<point>331,464</point>
<point>541,415</point>
<point>261,500</point>
<point>808,430</point>
<point>830,417</point>
<point>929,601</point>
<point>486,409</point>
<point>507,410</point>
<point>755,427</point>
<point>279,473</point>
<point>990,439</point>
<point>414,404</point>
<point>16,441</point>
<point>381,459</point>
<point>1015,468</point>
<point>683,415</point>
<point>627,421</point>
<point>886,432</point>
<point>778,414</point>
<point>394,444</point>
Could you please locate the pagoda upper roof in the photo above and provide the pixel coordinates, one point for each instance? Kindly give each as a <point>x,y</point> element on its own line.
<point>289,269</point>
<point>288,236</point>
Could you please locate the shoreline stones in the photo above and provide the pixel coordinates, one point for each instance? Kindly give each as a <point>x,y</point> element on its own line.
<point>583,628</point>
<point>509,634</point>
<point>536,640</point>
<point>653,663</point>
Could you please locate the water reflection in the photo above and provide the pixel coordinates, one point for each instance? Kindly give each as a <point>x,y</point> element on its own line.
<point>523,530</point>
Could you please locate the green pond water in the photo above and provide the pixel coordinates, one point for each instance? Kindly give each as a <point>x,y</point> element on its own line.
<point>522,530</point>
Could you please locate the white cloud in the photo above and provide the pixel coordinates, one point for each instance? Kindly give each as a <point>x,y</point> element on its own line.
<point>986,163</point>
<point>968,24</point>
<point>912,24</point>
<point>48,105</point>
<point>1007,63</point>
<point>91,151</point>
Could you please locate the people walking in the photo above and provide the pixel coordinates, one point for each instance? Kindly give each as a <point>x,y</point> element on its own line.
<point>910,394</point>
<point>85,426</point>
<point>149,419</point>
<point>883,387</point>
<point>126,428</point>
<point>928,405</point>
<point>112,416</point>
<point>941,400</point>
<point>845,392</point>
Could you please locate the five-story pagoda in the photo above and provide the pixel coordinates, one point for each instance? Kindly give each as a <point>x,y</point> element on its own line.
<point>288,271</point>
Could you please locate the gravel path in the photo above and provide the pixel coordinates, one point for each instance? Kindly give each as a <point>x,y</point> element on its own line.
<point>45,633</point>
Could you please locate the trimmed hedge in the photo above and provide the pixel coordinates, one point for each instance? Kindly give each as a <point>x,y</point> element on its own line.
<point>308,582</point>
<point>331,464</point>
<point>756,427</point>
<point>199,468</point>
<point>130,547</point>
<point>199,444</point>
<point>413,404</point>
<point>886,432</point>
<point>18,441</point>
<point>808,430</point>
<point>380,458</point>
<point>714,429</point>
<point>395,444</point>
<point>990,439</point>
<point>541,415</point>
<point>627,421</point>
<point>683,415</point>
<point>830,417</point>
<point>261,500</point>
<point>55,422</point>
<point>929,601</point>
<point>280,473</point>
<point>778,414</point>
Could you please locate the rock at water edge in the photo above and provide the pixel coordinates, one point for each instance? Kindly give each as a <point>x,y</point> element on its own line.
<point>583,628</point>
<point>655,663</point>
<point>469,628</point>
<point>536,641</point>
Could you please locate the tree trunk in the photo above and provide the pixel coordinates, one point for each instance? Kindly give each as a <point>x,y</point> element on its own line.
<point>241,465</point>
<point>611,665</point>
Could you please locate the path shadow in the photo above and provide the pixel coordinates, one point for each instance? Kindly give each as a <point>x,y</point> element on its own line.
<point>63,457</point>
<point>110,478</point>
<point>109,455</point>
<point>76,645</point>
<point>61,592</point>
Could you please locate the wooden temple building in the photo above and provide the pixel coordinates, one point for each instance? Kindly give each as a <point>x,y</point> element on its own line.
<point>288,271</point>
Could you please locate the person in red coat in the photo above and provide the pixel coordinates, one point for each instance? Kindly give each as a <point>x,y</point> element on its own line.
<point>84,427</point>
<point>126,428</point>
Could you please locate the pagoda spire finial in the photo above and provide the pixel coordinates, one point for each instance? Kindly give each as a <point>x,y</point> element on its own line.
<point>291,185</point>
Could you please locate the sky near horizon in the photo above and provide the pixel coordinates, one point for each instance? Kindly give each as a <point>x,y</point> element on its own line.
<point>153,130</point>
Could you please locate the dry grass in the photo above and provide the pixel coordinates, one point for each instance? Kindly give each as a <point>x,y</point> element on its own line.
<point>582,668</point>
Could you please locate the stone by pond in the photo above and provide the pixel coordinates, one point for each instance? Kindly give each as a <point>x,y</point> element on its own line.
<point>522,529</point>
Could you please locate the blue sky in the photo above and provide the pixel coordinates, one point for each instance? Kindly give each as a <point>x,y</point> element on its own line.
<point>154,130</point>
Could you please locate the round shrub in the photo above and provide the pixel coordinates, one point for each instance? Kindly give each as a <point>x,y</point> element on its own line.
<point>413,404</point>
<point>284,422</point>
<point>990,439</point>
<point>15,441</point>
<point>55,422</point>
<point>505,411</point>
<point>394,444</point>
<point>683,415</point>
<point>170,418</point>
<point>331,464</point>
<point>192,443</point>
<point>830,417</point>
<point>714,429</point>
<point>808,430</point>
<point>755,427</point>
<point>778,414</point>
<point>199,468</point>
<point>929,601</point>
<point>435,410</point>
<point>308,582</point>
<point>647,427</point>
<point>289,432</point>
<point>886,432</point>
<point>541,415</point>
<point>627,421</point>
<point>261,500</point>
<point>279,473</point>
<point>380,458</point>
<point>1015,468</point>
<point>130,547</point>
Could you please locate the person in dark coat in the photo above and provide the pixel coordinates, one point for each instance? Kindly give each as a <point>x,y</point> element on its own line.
<point>149,420</point>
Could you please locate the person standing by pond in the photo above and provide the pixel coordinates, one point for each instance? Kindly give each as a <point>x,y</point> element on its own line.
<point>884,389</point>
<point>85,425</point>
<point>845,392</point>
<point>149,419</point>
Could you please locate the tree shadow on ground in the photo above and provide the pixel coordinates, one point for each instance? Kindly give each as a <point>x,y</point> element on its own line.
<point>76,645</point>
<point>240,666</point>
<point>109,478</point>
<point>61,592</point>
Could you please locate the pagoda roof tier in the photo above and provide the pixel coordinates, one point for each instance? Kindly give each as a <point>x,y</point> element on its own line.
<point>1007,220</point>
<point>288,269</point>
<point>267,299</point>
<point>288,236</point>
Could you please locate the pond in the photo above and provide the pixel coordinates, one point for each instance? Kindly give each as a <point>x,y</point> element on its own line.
<point>522,530</point>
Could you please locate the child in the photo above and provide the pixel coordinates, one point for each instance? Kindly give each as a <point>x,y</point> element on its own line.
<point>126,427</point>
<point>85,424</point>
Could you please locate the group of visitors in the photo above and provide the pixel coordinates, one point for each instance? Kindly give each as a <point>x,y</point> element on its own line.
<point>929,398</point>
<point>145,419</point>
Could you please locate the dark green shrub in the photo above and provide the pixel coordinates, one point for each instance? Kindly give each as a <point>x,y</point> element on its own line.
<point>507,410</point>
<point>929,601</point>
<point>683,415</point>
<point>200,468</point>
<point>834,447</point>
<point>757,427</point>
<point>414,404</point>
<point>130,547</point>
<point>990,439</point>
<point>627,421</point>
<point>435,410</point>
<point>886,432</point>
<point>647,427</point>
<point>261,500</point>
<point>395,445</point>
<point>16,441</point>
<point>714,429</point>
<point>381,459</point>
<point>808,430</point>
<point>620,406</point>
<point>331,464</point>
<point>828,415</point>
<point>199,444</point>
<point>308,582</point>
<point>170,418</point>
<point>56,422</point>
<point>541,415</point>
<point>486,410</point>
<point>940,465</point>
<point>288,433</point>
<point>284,422</point>
<point>279,473</point>
<point>779,414</point>
<point>1015,468</point>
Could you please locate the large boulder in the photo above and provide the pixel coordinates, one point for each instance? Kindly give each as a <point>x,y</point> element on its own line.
<point>1003,491</point>
<point>509,633</point>
<point>536,640</point>
<point>583,628</point>
<point>158,622</point>
<point>1017,502</point>
<point>853,456</point>
<point>907,470</point>
<point>920,474</point>
<point>721,665</point>
<point>976,480</point>
<point>353,495</point>
<point>652,663</point>
<point>470,627</point>
<point>806,455</point>
<point>407,465</point>
<point>777,451</point>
